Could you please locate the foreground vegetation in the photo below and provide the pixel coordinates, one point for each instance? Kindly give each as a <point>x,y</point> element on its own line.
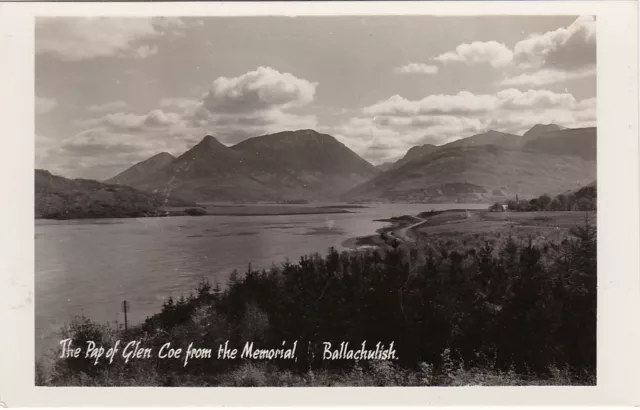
<point>494,309</point>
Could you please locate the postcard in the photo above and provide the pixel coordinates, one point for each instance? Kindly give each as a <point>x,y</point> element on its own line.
<point>320,203</point>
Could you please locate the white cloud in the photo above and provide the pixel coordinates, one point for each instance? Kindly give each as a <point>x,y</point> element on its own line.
<point>261,89</point>
<point>513,99</point>
<point>178,104</point>
<point>567,48</point>
<point>106,107</point>
<point>546,77</point>
<point>491,52</point>
<point>44,105</point>
<point>389,128</point>
<point>416,68</point>
<point>127,122</point>
<point>459,104</point>
<point>82,38</point>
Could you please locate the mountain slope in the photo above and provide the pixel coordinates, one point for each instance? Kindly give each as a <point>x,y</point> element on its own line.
<point>539,130</point>
<point>131,175</point>
<point>415,153</point>
<point>62,198</point>
<point>581,142</point>
<point>288,165</point>
<point>478,173</point>
<point>490,137</point>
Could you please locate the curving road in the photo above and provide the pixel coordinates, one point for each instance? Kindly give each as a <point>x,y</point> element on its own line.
<point>402,232</point>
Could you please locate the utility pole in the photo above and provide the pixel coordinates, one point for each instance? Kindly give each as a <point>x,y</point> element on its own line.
<point>125,309</point>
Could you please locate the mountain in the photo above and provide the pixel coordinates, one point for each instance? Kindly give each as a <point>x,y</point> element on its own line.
<point>539,130</point>
<point>478,173</point>
<point>62,198</point>
<point>414,153</point>
<point>385,166</point>
<point>139,170</point>
<point>581,142</point>
<point>288,165</point>
<point>490,137</point>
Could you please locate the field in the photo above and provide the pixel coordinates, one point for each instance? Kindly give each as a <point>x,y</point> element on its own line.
<point>474,227</point>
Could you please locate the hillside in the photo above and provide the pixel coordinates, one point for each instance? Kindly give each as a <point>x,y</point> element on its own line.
<point>289,165</point>
<point>490,137</point>
<point>539,130</point>
<point>139,170</point>
<point>415,153</point>
<point>61,198</point>
<point>478,174</point>
<point>580,142</point>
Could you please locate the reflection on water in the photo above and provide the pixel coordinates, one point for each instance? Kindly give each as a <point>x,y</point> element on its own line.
<point>88,267</point>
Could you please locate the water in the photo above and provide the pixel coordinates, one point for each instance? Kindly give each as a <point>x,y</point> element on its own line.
<point>88,267</point>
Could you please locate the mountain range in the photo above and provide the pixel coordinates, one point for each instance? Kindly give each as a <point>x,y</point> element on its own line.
<point>309,165</point>
<point>300,164</point>
<point>489,166</point>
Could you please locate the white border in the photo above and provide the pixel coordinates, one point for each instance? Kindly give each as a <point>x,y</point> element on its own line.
<point>618,183</point>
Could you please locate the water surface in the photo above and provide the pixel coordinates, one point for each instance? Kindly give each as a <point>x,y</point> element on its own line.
<point>88,267</point>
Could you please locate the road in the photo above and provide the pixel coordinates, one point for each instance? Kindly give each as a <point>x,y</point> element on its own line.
<point>402,232</point>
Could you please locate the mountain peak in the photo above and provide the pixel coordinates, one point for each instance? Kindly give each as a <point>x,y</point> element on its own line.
<point>541,129</point>
<point>162,156</point>
<point>209,139</point>
<point>210,143</point>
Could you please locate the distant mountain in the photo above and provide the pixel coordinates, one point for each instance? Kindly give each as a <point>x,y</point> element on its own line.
<point>414,153</point>
<point>62,198</point>
<point>478,173</point>
<point>385,166</point>
<point>139,170</point>
<point>581,142</point>
<point>539,130</point>
<point>289,165</point>
<point>490,137</point>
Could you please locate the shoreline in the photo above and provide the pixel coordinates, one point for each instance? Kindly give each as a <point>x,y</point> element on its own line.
<point>170,214</point>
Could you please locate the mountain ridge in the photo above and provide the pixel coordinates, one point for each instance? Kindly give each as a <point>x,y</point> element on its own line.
<point>302,164</point>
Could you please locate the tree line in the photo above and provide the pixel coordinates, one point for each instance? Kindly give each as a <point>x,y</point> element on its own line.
<point>511,306</point>
<point>584,199</point>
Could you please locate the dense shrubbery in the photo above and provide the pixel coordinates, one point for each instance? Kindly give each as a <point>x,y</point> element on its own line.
<point>584,199</point>
<point>507,314</point>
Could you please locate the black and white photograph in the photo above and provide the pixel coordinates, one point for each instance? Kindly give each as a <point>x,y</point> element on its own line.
<point>316,201</point>
<point>348,203</point>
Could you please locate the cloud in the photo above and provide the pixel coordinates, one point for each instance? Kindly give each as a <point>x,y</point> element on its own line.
<point>387,129</point>
<point>76,38</point>
<point>44,105</point>
<point>546,77</point>
<point>106,107</point>
<point>232,109</point>
<point>416,68</point>
<point>127,122</point>
<point>459,104</point>
<point>491,52</point>
<point>254,103</point>
<point>567,48</point>
<point>261,89</point>
<point>178,104</point>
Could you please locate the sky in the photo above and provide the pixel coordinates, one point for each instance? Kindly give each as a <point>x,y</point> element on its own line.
<point>111,92</point>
